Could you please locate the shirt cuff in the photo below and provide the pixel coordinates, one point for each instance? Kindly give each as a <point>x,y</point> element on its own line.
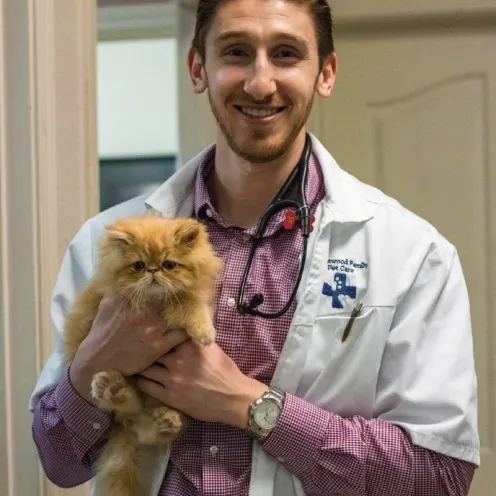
<point>84,420</point>
<point>297,440</point>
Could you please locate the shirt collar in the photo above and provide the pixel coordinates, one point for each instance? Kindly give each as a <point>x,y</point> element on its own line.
<point>204,209</point>
<point>203,205</point>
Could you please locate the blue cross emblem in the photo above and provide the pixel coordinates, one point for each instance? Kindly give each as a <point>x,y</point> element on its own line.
<point>341,289</point>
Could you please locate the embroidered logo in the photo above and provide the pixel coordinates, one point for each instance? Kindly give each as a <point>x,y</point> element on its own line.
<point>346,265</point>
<point>341,289</point>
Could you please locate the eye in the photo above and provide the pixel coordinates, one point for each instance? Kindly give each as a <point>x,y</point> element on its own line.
<point>139,266</point>
<point>169,265</point>
<point>286,54</point>
<point>236,52</point>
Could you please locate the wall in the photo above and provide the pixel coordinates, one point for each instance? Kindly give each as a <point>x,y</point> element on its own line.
<point>137,98</point>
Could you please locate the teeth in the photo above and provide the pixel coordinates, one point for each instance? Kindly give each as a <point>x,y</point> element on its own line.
<point>257,112</point>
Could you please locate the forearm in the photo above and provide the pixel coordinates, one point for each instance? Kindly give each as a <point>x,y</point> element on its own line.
<point>69,434</point>
<point>355,457</point>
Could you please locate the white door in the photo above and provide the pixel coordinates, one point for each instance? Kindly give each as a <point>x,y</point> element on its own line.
<point>414,113</point>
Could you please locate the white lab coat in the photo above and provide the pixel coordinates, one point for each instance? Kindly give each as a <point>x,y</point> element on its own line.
<point>409,358</point>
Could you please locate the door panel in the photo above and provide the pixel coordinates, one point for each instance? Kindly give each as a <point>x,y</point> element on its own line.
<point>364,9</point>
<point>415,115</point>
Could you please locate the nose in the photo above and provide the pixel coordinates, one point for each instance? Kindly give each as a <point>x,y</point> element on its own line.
<point>152,270</point>
<point>260,82</point>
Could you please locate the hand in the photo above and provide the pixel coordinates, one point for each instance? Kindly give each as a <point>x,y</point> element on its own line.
<point>120,340</point>
<point>202,382</point>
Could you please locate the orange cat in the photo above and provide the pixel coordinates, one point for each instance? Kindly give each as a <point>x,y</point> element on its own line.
<point>153,263</point>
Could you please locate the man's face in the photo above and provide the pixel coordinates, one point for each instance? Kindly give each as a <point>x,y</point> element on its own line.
<point>261,73</point>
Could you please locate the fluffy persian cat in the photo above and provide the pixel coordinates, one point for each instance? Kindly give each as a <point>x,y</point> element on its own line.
<point>159,264</point>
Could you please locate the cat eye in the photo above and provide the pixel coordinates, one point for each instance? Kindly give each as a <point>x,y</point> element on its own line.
<point>169,265</point>
<point>139,266</point>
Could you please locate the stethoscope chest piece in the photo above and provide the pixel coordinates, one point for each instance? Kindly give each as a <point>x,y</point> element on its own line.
<point>291,220</point>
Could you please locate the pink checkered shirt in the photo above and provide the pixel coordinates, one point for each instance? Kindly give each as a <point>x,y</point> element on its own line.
<point>329,454</point>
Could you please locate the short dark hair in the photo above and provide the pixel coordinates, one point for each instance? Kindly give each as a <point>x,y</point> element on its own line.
<point>319,9</point>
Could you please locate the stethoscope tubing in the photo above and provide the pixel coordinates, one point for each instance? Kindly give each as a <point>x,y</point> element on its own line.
<point>303,213</point>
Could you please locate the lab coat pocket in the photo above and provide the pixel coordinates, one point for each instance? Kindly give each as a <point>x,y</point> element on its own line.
<point>341,376</point>
<point>329,329</point>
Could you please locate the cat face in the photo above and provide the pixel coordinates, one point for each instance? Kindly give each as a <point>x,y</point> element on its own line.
<point>149,257</point>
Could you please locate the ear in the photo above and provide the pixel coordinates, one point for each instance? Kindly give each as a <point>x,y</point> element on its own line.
<point>197,71</point>
<point>188,234</point>
<point>118,238</point>
<point>327,76</point>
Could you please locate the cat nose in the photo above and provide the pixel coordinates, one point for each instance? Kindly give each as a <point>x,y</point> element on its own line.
<point>152,270</point>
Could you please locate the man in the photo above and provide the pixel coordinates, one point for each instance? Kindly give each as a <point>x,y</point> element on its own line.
<point>283,406</point>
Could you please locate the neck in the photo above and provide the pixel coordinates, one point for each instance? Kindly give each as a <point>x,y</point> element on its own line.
<point>240,190</point>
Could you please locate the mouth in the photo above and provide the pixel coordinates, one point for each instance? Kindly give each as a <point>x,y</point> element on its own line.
<point>154,283</point>
<point>156,289</point>
<point>259,113</point>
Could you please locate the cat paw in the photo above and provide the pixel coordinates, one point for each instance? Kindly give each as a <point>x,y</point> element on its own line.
<point>167,421</point>
<point>112,392</point>
<point>204,334</point>
<point>158,426</point>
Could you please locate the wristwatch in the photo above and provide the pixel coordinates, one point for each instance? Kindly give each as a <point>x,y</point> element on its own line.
<point>264,413</point>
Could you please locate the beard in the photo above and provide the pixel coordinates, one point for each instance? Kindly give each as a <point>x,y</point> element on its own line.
<point>258,145</point>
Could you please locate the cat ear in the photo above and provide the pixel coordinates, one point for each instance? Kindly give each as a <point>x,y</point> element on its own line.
<point>118,238</point>
<point>188,234</point>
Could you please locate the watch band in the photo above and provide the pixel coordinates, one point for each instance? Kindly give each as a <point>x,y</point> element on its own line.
<point>274,395</point>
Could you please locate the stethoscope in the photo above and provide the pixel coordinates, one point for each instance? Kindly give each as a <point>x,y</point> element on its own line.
<point>297,213</point>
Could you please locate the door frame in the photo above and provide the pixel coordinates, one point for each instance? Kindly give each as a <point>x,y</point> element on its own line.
<point>48,188</point>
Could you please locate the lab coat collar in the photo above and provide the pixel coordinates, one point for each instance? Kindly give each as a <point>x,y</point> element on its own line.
<point>346,197</point>
<point>174,197</point>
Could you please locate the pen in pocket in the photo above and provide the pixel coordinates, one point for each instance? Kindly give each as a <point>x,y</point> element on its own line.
<point>354,314</point>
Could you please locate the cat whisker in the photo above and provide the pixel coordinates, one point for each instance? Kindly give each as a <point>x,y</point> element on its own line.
<point>137,294</point>
<point>174,294</point>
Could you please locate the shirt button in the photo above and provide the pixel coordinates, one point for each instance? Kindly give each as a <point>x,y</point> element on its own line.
<point>214,450</point>
<point>97,426</point>
<point>246,238</point>
<point>209,213</point>
<point>280,459</point>
<point>231,302</point>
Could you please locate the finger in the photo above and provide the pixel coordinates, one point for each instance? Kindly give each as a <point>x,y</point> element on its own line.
<point>166,360</point>
<point>152,389</point>
<point>113,308</point>
<point>165,330</point>
<point>107,305</point>
<point>163,359</point>
<point>155,373</point>
<point>106,313</point>
<point>153,329</point>
<point>173,338</point>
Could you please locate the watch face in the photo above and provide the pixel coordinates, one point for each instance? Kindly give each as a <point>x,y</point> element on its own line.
<point>266,415</point>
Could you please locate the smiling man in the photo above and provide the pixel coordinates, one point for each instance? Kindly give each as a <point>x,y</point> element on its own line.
<point>343,363</point>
